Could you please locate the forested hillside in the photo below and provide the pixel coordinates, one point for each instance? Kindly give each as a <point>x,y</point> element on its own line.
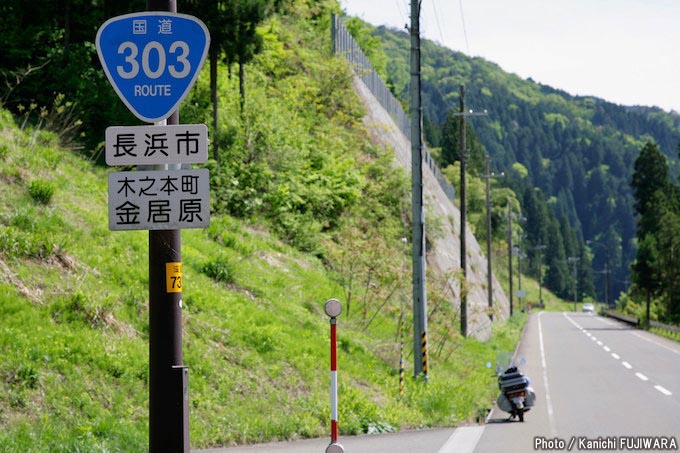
<point>578,153</point>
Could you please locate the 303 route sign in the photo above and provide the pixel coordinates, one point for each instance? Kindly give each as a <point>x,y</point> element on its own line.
<point>152,59</point>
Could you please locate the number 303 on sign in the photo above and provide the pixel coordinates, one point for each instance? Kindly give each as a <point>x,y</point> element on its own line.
<point>130,51</point>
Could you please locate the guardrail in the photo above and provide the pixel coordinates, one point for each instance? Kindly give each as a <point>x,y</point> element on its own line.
<point>659,325</point>
<point>345,45</point>
<point>632,320</point>
<point>621,317</point>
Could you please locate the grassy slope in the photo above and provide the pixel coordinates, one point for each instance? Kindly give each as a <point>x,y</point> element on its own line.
<point>74,330</point>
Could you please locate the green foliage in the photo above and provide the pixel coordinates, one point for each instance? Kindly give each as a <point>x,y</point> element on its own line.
<point>651,184</point>
<point>74,333</point>
<point>30,232</point>
<point>81,308</point>
<point>41,191</point>
<point>220,270</point>
<point>577,150</point>
<point>370,45</point>
<point>289,157</point>
<point>655,270</point>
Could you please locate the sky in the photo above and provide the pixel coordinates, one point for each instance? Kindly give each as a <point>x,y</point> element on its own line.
<point>623,51</point>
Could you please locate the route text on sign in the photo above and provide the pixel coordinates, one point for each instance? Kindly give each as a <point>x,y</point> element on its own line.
<point>152,145</point>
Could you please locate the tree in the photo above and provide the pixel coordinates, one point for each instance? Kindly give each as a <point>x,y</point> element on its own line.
<point>646,270</point>
<point>233,37</point>
<point>558,277</point>
<point>669,260</point>
<point>650,176</point>
<point>48,53</point>
<point>476,157</point>
<point>536,229</point>
<point>656,269</point>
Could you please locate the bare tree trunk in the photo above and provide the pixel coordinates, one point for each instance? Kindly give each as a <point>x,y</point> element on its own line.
<point>242,84</point>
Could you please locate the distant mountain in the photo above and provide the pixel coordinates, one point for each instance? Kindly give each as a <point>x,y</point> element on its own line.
<point>578,150</point>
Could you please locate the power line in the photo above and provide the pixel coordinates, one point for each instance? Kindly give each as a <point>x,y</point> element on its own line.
<point>400,8</point>
<point>436,16</point>
<point>462,19</point>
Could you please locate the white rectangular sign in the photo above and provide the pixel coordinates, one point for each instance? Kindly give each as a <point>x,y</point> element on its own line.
<point>154,145</point>
<point>159,200</point>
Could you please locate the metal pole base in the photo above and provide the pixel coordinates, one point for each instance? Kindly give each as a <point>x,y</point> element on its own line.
<point>335,448</point>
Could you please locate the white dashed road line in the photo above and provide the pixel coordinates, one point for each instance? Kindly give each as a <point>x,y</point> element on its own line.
<point>663,390</point>
<point>640,376</point>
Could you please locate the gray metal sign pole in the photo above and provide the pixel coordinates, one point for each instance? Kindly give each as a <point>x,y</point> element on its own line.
<point>168,378</point>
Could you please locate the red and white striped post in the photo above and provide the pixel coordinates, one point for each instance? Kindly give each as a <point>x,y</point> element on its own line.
<point>333,308</point>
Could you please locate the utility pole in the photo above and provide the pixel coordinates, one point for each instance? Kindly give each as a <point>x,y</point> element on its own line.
<point>606,268</point>
<point>489,275</point>
<point>419,291</point>
<point>520,293</point>
<point>605,272</point>
<point>519,272</point>
<point>168,377</point>
<point>540,249</point>
<point>463,208</point>
<point>574,260</point>
<point>510,252</point>
<point>606,281</point>
<point>463,216</point>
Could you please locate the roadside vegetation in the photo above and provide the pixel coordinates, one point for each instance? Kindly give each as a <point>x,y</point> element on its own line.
<point>304,209</point>
<point>74,333</point>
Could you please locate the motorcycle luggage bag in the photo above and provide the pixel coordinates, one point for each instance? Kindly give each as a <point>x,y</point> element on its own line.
<point>511,382</point>
<point>530,398</point>
<point>504,403</point>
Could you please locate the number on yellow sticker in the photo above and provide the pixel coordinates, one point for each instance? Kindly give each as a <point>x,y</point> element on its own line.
<point>173,275</point>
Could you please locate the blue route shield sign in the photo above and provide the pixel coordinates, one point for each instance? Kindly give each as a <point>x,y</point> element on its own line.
<point>152,59</point>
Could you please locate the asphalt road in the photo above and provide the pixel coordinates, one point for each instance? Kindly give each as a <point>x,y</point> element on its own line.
<point>596,381</point>
<point>594,378</point>
<point>407,441</point>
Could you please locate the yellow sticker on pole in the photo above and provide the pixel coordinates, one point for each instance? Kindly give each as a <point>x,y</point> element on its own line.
<point>173,276</point>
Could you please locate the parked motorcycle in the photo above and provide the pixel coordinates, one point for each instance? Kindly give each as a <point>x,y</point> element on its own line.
<point>517,396</point>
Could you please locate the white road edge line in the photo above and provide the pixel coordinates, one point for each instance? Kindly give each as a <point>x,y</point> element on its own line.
<point>663,390</point>
<point>640,376</point>
<point>548,400</point>
<point>656,343</point>
<point>463,440</point>
<point>637,334</point>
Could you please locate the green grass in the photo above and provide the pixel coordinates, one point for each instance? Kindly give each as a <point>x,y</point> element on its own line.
<point>74,329</point>
<point>74,295</point>
<point>671,335</point>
